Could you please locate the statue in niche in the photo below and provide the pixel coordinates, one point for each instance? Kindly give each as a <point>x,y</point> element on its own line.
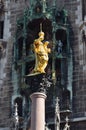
<point>1,47</point>
<point>1,50</point>
<point>1,5</point>
<point>83,36</point>
<point>41,53</point>
<point>60,44</point>
<point>38,7</point>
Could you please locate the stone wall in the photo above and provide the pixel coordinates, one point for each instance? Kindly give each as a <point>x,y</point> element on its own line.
<point>79,103</point>
<point>13,10</point>
<point>74,8</point>
<point>79,74</point>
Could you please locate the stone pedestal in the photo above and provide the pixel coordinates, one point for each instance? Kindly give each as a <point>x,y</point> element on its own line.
<point>38,111</point>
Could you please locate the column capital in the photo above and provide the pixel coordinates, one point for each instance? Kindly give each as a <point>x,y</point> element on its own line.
<point>38,83</point>
<point>38,95</point>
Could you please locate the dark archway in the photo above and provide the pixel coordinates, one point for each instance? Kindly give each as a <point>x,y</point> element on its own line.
<point>19,101</point>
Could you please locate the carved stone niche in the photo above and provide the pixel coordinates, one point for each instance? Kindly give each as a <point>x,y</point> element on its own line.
<point>2,49</point>
<point>1,5</point>
<point>84,36</point>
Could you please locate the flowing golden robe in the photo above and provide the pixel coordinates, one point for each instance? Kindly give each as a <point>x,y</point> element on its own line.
<point>41,54</point>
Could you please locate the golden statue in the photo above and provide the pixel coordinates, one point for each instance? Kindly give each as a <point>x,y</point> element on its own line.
<point>41,53</point>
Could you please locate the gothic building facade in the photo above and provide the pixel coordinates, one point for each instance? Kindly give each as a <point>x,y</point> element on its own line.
<point>64,25</point>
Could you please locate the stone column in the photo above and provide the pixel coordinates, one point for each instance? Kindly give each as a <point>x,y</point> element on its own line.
<point>38,85</point>
<point>38,111</point>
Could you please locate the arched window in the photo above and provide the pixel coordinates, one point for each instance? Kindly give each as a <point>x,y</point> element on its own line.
<point>83,9</point>
<point>84,45</point>
<point>1,29</point>
<point>19,100</point>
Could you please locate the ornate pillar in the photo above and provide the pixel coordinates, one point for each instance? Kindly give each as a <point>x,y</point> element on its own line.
<point>38,85</point>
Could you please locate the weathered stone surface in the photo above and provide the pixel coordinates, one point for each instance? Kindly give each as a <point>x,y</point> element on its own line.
<point>7,128</point>
<point>15,10</point>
